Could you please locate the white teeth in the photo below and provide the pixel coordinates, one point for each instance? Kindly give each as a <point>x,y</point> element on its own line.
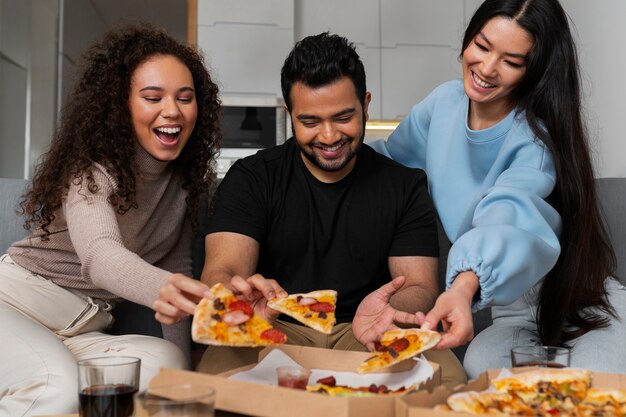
<point>331,148</point>
<point>482,83</point>
<point>170,130</point>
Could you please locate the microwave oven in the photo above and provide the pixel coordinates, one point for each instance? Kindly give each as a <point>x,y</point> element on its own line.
<point>250,124</point>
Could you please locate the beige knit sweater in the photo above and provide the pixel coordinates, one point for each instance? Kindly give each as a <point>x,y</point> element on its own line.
<point>110,256</point>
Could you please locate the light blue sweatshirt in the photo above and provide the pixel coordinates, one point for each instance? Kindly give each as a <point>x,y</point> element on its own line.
<point>489,187</point>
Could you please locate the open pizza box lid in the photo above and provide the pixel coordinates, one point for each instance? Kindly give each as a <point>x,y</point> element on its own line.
<point>262,399</point>
<point>421,403</point>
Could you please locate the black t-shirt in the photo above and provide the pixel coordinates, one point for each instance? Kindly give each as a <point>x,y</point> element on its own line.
<point>315,235</point>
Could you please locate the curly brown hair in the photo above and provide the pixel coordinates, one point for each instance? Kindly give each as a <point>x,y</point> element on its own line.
<point>96,126</point>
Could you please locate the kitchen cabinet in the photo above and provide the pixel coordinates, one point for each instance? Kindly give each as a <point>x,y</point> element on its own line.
<point>245,43</point>
<point>423,22</point>
<point>357,20</point>
<point>410,73</point>
<point>407,46</point>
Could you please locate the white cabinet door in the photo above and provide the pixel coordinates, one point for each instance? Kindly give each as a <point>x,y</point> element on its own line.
<point>421,22</point>
<point>277,13</point>
<point>245,59</point>
<point>245,43</point>
<point>409,73</point>
<point>357,20</point>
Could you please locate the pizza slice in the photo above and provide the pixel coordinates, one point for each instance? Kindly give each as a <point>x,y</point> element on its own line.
<point>541,387</point>
<point>397,345</point>
<point>489,403</point>
<point>225,320</point>
<point>600,402</point>
<point>328,386</point>
<point>315,309</point>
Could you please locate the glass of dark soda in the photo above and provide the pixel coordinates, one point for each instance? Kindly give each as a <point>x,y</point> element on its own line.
<point>106,386</point>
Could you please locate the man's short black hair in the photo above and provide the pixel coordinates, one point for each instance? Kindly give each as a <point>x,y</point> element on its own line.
<point>320,60</point>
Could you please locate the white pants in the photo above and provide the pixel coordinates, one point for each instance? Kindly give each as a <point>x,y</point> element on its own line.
<point>600,350</point>
<point>45,329</point>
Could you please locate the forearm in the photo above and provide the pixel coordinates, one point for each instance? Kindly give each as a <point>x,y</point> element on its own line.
<point>212,276</point>
<point>413,298</point>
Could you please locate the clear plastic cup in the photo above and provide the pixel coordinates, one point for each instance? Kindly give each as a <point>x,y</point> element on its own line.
<point>293,376</point>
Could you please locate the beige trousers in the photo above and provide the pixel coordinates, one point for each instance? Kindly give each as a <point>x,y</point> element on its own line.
<point>218,359</point>
<point>45,329</point>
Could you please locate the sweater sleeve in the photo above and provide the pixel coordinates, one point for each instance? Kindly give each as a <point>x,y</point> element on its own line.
<point>96,237</point>
<point>513,240</point>
<point>407,143</point>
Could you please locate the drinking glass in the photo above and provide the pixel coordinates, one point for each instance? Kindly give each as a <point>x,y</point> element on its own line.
<point>543,356</point>
<point>293,376</point>
<point>106,386</point>
<point>177,400</point>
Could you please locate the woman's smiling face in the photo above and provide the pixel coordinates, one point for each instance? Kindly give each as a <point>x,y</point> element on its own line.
<point>163,106</point>
<point>494,63</point>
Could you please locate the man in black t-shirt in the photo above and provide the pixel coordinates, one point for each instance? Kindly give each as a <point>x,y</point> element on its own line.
<point>324,211</point>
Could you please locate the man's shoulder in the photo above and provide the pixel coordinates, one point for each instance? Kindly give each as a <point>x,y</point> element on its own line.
<point>269,157</point>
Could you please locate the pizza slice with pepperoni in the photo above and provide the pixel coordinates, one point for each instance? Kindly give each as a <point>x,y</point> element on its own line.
<point>224,320</point>
<point>315,309</point>
<point>397,345</point>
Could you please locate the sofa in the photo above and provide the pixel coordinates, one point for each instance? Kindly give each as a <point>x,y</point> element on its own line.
<point>133,318</point>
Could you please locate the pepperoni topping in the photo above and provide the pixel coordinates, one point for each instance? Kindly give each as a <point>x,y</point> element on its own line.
<point>322,307</point>
<point>329,380</point>
<point>274,335</point>
<point>241,306</point>
<point>399,344</point>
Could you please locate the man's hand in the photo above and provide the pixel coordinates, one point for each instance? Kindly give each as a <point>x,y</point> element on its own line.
<point>178,298</point>
<point>453,309</point>
<point>257,290</point>
<point>375,315</point>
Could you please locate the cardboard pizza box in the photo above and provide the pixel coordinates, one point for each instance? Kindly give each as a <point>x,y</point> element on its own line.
<point>420,404</point>
<point>264,400</point>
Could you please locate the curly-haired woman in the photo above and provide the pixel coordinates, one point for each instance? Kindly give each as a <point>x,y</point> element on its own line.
<point>112,207</point>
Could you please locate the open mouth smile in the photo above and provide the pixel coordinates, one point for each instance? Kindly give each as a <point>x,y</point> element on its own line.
<point>480,82</point>
<point>168,136</point>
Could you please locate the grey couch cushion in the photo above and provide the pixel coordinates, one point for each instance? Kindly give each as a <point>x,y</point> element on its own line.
<point>612,196</point>
<point>11,229</point>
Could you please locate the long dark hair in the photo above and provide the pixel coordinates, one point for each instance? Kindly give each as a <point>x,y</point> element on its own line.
<point>96,126</point>
<point>550,97</point>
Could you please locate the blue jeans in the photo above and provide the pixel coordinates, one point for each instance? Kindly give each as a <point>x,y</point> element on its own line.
<point>600,350</point>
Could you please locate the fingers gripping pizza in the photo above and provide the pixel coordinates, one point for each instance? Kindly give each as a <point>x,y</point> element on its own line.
<point>397,345</point>
<point>228,321</point>
<point>315,309</point>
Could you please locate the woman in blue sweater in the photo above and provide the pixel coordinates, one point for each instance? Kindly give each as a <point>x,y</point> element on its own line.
<point>509,170</point>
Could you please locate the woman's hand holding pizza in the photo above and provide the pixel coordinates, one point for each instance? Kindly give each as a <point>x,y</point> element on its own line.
<point>257,290</point>
<point>453,309</point>
<point>178,298</point>
<point>375,315</point>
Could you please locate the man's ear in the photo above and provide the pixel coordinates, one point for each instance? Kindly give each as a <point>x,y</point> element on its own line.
<point>366,103</point>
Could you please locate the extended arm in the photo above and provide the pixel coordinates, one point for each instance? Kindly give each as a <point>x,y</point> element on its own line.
<point>413,289</point>
<point>231,258</point>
